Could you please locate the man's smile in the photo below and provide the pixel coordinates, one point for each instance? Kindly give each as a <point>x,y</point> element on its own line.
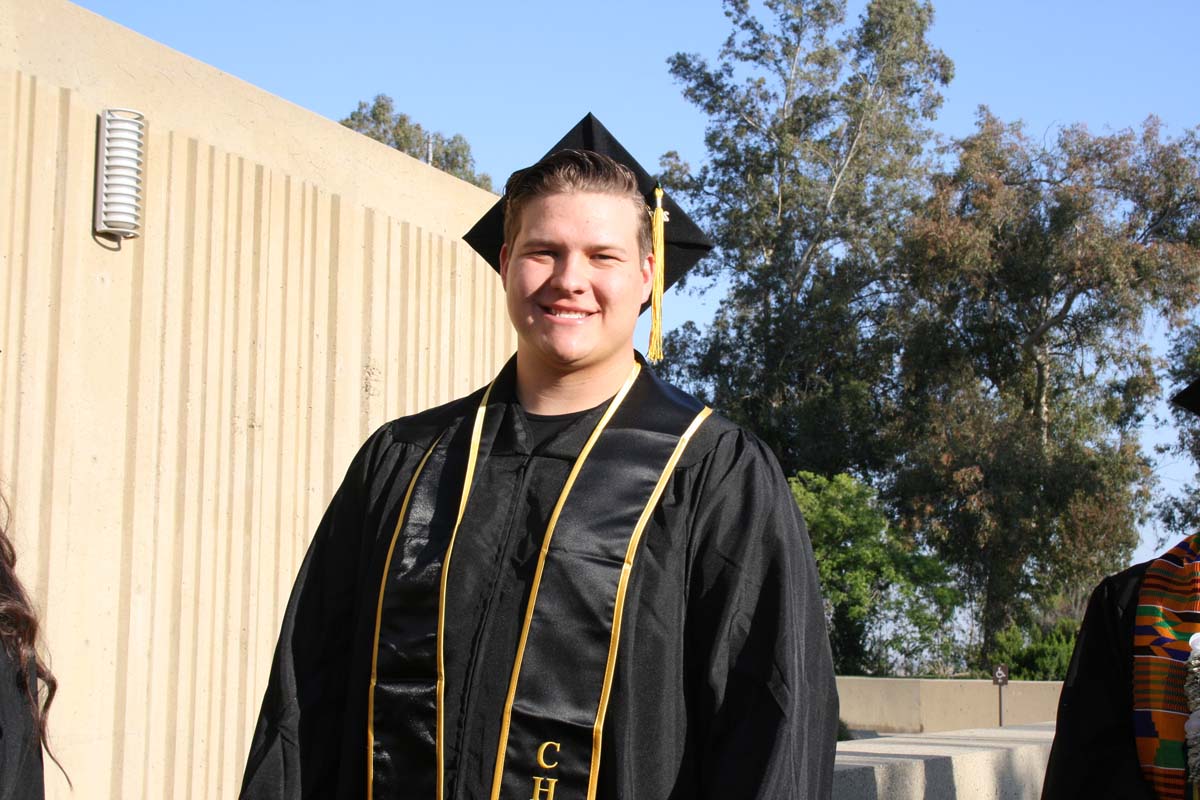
<point>565,314</point>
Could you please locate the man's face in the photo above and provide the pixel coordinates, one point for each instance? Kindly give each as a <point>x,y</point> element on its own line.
<point>575,281</point>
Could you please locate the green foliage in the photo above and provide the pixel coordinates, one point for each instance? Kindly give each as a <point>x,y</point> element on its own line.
<point>889,605</point>
<point>815,135</point>
<point>1180,513</point>
<point>383,123</point>
<point>1031,270</point>
<point>962,330</point>
<point>1036,653</point>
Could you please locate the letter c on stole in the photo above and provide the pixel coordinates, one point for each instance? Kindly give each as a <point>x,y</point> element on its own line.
<point>543,788</point>
<point>541,754</point>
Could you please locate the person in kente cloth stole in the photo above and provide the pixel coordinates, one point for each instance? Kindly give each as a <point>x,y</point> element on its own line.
<point>1129,714</point>
<point>576,582</point>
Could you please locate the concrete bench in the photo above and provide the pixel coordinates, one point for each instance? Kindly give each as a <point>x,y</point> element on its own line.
<point>978,764</point>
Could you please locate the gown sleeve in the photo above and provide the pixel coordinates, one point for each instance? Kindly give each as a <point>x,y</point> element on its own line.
<point>767,698</point>
<point>20,743</point>
<point>1094,754</point>
<point>295,750</point>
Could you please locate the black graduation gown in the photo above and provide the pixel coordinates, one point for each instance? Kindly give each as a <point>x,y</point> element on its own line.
<point>20,746</point>
<point>724,683</point>
<point>1094,754</point>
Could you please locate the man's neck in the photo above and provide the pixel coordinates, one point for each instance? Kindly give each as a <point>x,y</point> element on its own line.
<point>544,391</point>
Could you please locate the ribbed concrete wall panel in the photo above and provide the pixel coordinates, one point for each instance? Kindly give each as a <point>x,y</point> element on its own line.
<point>176,412</point>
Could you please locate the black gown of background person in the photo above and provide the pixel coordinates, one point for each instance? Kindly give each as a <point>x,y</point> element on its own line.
<point>20,744</point>
<point>1094,752</point>
<point>723,686</point>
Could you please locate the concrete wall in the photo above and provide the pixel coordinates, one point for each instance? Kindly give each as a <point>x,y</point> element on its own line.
<point>985,764</point>
<point>915,705</point>
<point>175,413</point>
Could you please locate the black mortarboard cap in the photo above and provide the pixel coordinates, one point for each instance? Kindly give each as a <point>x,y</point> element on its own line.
<point>1189,398</point>
<point>685,242</point>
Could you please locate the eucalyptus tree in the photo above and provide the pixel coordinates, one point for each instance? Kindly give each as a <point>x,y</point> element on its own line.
<point>815,142</point>
<point>382,122</point>
<point>1030,273</point>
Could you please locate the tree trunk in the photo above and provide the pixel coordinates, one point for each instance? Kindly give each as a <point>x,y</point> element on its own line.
<point>1041,404</point>
<point>997,599</point>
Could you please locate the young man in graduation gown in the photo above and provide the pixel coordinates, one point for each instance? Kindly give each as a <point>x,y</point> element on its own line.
<point>576,582</point>
<point>1121,715</point>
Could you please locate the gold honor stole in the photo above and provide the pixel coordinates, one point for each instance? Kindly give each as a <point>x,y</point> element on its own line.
<point>1168,613</point>
<point>553,719</point>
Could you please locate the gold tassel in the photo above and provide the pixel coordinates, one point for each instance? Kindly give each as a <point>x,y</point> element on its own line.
<point>655,352</point>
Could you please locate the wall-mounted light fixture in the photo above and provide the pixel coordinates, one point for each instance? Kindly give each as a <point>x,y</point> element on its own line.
<point>120,149</point>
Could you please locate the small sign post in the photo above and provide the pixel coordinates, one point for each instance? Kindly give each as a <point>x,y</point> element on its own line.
<point>1000,679</point>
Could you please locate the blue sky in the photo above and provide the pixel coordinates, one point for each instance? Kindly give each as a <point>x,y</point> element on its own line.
<point>513,76</point>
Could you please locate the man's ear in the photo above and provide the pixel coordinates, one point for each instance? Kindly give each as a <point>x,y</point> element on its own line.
<point>648,267</point>
<point>504,265</point>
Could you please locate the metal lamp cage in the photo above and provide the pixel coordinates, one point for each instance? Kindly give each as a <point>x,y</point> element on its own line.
<point>120,157</point>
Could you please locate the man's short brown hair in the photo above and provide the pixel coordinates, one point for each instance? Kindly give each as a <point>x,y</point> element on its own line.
<point>568,172</point>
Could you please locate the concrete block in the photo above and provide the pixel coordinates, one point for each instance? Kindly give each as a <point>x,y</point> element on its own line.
<point>926,705</point>
<point>981,764</point>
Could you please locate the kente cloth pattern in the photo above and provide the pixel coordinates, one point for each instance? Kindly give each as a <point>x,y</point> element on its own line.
<point>1168,613</point>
